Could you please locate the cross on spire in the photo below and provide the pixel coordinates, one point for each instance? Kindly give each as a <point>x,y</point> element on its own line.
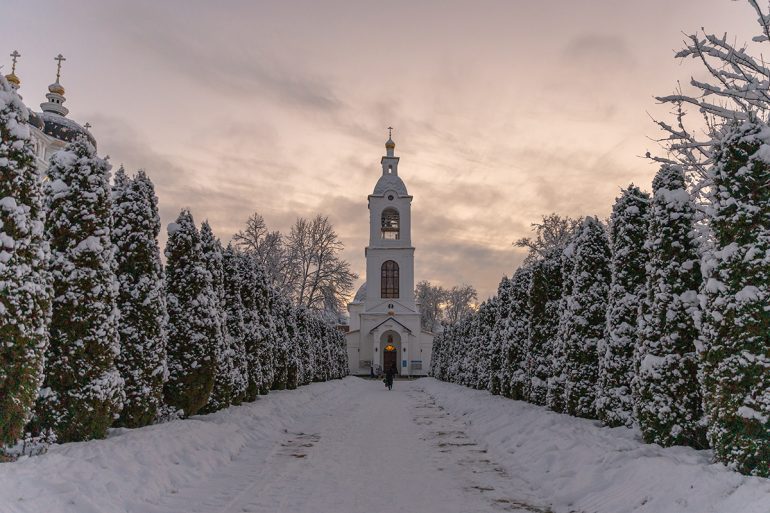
<point>87,125</point>
<point>390,132</point>
<point>14,56</point>
<point>58,58</point>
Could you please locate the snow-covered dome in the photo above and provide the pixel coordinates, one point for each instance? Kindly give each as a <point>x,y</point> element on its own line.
<point>390,182</point>
<point>360,294</point>
<point>63,128</point>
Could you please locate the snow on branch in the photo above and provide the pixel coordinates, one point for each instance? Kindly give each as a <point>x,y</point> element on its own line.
<point>737,90</point>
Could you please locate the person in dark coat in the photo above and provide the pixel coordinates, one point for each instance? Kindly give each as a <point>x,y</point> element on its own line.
<point>390,373</point>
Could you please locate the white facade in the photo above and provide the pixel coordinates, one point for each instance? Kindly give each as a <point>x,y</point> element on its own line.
<point>384,317</point>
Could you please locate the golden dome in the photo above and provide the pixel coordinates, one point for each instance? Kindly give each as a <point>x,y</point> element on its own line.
<point>13,79</point>
<point>389,143</point>
<point>56,88</point>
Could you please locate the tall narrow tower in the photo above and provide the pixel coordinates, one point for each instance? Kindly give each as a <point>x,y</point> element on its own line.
<point>385,326</point>
<point>390,255</point>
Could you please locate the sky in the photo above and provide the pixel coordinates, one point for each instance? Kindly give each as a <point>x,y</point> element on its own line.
<point>503,111</point>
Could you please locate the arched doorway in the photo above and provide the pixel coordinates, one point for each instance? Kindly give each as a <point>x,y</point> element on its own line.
<point>391,348</point>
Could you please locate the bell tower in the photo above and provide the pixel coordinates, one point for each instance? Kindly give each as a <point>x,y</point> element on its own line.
<point>390,255</point>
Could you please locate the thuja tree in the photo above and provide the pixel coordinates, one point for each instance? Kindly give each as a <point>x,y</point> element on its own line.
<point>514,380</point>
<point>736,329</point>
<point>83,391</point>
<point>586,310</point>
<point>555,395</point>
<point>253,324</point>
<point>667,401</point>
<point>543,305</point>
<point>223,391</point>
<point>25,295</point>
<point>234,316</point>
<point>193,320</point>
<point>141,297</point>
<point>628,231</point>
<point>497,337</point>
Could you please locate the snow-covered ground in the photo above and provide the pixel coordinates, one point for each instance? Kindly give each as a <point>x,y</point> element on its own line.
<point>351,446</point>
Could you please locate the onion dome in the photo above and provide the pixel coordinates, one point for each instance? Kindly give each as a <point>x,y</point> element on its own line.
<point>11,77</point>
<point>56,88</point>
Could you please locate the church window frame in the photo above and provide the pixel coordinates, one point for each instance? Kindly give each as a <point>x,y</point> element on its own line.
<point>389,285</point>
<point>390,224</point>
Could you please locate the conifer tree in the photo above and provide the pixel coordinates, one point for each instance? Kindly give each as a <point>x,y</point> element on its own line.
<point>555,395</point>
<point>234,315</point>
<point>496,357</point>
<point>667,401</point>
<point>222,394</point>
<point>25,293</point>
<point>587,316</point>
<point>141,297</point>
<point>515,347</point>
<point>628,231</point>
<point>736,329</point>
<point>543,305</point>
<point>193,323</point>
<point>82,392</point>
<point>253,322</point>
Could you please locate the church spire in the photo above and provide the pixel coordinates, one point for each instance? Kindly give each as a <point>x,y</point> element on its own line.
<point>11,77</point>
<point>390,146</point>
<point>55,94</point>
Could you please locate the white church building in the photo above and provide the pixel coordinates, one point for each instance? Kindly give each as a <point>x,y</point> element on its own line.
<point>384,315</point>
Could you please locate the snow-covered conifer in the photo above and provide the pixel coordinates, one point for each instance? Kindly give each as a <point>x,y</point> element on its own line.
<point>141,297</point>
<point>543,305</point>
<point>736,328</point>
<point>24,285</point>
<point>497,337</point>
<point>254,325</point>
<point>222,394</point>
<point>236,328</point>
<point>667,401</point>
<point>193,321</point>
<point>82,392</point>
<point>555,395</point>
<point>587,311</point>
<point>628,231</point>
<point>515,345</point>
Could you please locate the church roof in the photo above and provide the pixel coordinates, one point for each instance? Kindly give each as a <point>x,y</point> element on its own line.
<point>361,294</point>
<point>63,128</point>
<point>390,182</point>
<point>390,319</point>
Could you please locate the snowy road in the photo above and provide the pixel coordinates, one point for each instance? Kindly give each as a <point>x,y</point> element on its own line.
<point>350,446</point>
<point>376,451</point>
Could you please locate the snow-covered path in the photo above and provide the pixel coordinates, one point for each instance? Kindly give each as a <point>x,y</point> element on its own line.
<point>376,451</point>
<point>350,446</point>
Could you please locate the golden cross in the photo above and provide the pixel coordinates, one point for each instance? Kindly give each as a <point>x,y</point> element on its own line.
<point>59,58</point>
<point>15,55</point>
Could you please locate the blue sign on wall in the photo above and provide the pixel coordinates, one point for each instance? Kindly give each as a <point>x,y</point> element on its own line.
<point>403,363</point>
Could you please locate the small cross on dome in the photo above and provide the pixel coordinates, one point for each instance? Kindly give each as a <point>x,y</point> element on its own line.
<point>59,58</point>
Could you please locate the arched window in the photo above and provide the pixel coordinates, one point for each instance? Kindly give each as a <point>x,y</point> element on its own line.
<point>389,285</point>
<point>390,224</point>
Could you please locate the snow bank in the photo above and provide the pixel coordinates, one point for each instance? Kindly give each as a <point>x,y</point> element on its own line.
<point>135,466</point>
<point>577,465</point>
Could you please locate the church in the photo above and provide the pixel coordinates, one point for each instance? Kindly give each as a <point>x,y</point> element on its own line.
<point>385,325</point>
<point>51,129</point>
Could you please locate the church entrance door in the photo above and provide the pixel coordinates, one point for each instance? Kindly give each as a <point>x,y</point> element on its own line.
<point>389,358</point>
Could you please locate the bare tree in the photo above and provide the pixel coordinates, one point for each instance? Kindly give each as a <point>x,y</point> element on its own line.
<point>269,250</point>
<point>304,265</point>
<point>432,299</point>
<point>738,90</point>
<point>553,234</point>
<point>460,302</point>
<point>322,280</point>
